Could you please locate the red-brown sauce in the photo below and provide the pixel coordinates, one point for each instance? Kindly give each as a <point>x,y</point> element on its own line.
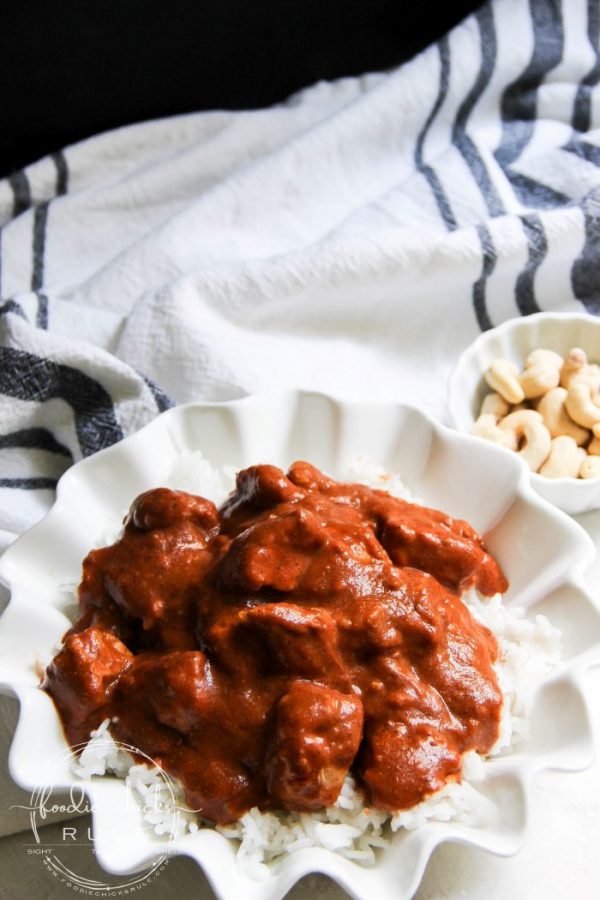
<point>304,630</point>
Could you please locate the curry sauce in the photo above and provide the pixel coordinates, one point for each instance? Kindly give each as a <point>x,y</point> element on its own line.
<point>305,630</point>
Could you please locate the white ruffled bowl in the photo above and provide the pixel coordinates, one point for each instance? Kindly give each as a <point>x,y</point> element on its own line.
<point>514,340</point>
<point>543,552</point>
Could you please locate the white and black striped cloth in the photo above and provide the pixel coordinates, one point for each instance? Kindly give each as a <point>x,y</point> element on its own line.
<point>353,239</point>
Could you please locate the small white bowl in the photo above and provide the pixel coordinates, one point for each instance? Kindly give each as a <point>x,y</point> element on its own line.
<point>514,340</point>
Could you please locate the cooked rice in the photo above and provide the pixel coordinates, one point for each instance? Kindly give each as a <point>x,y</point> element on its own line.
<point>529,651</point>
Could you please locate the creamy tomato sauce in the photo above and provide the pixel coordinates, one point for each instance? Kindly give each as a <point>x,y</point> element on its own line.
<point>306,629</point>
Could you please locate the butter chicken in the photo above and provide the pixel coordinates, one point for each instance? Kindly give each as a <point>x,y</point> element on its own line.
<point>305,630</point>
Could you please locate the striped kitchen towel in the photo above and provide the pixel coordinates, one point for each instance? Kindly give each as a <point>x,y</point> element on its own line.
<point>353,239</point>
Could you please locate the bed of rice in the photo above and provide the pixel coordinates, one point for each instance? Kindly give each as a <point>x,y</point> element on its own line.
<point>530,651</point>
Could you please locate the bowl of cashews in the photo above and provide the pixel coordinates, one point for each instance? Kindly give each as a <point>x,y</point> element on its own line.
<point>532,385</point>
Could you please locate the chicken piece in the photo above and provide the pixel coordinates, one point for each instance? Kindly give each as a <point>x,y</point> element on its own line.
<point>413,535</point>
<point>272,553</point>
<point>307,476</point>
<point>81,679</point>
<point>110,617</point>
<point>461,669</point>
<point>219,787</point>
<point>318,548</point>
<point>401,765</point>
<point>153,571</point>
<point>317,734</point>
<point>179,711</point>
<point>303,641</point>
<point>395,693</point>
<point>300,641</point>
<point>161,508</point>
<point>257,488</point>
<point>449,549</point>
<point>177,688</point>
<point>404,615</point>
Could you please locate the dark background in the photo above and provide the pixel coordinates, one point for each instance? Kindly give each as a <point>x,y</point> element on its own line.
<point>72,68</point>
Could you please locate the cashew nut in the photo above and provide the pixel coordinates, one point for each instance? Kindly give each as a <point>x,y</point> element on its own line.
<point>486,427</point>
<point>503,377</point>
<point>590,467</point>
<point>529,430</point>
<point>565,459</point>
<point>538,379</point>
<point>575,360</point>
<point>594,446</point>
<point>547,358</point>
<point>581,406</point>
<point>495,405</point>
<point>590,375</point>
<point>577,370</point>
<point>556,419</point>
<point>554,428</point>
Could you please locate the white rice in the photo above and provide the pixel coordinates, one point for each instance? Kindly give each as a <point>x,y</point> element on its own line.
<point>529,651</point>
